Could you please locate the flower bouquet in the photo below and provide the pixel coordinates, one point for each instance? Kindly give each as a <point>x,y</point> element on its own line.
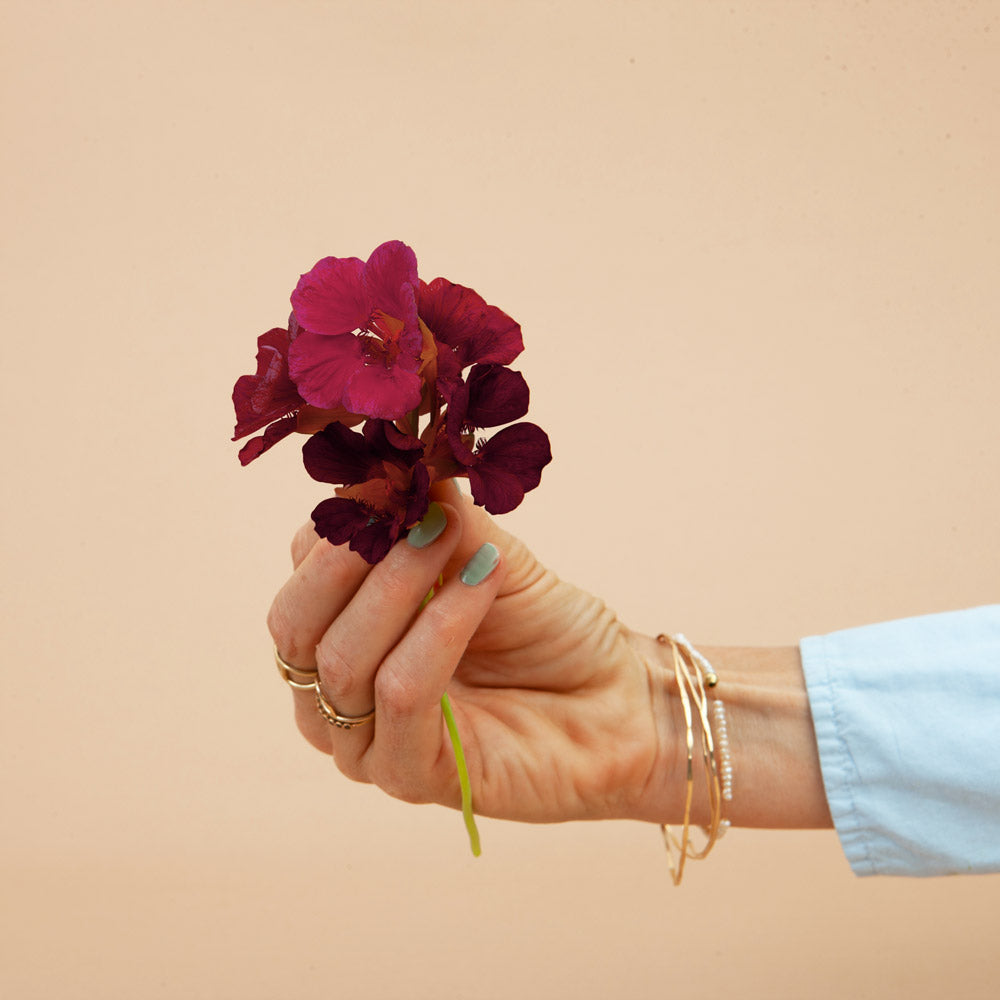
<point>422,369</point>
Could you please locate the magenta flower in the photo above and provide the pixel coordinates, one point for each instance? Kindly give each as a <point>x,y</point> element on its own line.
<point>361,346</point>
<point>270,399</point>
<point>385,485</point>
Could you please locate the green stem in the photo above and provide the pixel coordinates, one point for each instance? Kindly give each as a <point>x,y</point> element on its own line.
<point>456,746</point>
<point>463,776</point>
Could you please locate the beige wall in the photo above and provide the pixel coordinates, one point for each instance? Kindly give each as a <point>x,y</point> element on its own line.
<point>754,249</point>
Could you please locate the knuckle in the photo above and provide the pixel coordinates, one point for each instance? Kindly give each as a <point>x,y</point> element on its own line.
<point>336,673</point>
<point>395,693</point>
<point>279,624</point>
<point>445,622</point>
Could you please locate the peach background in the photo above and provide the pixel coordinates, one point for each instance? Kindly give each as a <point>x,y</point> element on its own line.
<point>754,249</point>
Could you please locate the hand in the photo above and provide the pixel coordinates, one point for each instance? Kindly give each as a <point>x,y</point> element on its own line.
<point>558,714</point>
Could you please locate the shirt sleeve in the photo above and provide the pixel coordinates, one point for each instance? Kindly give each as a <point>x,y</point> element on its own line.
<point>907,717</point>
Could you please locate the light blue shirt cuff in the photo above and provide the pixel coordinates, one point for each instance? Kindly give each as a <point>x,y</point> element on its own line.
<point>907,717</point>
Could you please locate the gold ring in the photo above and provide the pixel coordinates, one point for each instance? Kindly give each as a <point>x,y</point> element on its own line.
<point>335,718</point>
<point>295,677</point>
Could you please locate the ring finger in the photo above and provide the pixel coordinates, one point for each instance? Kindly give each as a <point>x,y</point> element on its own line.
<point>377,617</point>
<point>324,580</point>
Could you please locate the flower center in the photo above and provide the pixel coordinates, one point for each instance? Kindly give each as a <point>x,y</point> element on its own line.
<point>380,340</point>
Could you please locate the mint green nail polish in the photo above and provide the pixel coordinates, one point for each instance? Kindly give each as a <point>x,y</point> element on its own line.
<point>424,532</point>
<point>480,565</point>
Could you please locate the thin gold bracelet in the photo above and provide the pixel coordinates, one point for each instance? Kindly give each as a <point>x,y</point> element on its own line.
<point>694,674</point>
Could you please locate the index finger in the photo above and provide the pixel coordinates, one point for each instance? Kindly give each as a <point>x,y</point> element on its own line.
<point>323,582</point>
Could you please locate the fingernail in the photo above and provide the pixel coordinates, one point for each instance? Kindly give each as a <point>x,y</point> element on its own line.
<point>480,565</point>
<point>424,532</point>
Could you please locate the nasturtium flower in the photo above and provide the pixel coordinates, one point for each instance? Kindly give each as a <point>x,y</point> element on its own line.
<point>385,485</point>
<point>369,341</point>
<point>466,329</point>
<point>270,399</point>
<point>505,467</point>
<point>266,399</point>
<point>361,345</point>
<point>492,395</point>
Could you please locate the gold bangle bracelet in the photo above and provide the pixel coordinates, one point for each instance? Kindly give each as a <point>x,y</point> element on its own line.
<point>693,675</point>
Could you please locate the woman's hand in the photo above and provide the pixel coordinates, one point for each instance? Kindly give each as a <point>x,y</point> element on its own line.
<point>558,714</point>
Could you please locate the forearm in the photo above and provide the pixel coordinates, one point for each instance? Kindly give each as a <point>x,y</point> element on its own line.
<point>777,782</point>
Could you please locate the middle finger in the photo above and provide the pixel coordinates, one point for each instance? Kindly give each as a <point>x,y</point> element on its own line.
<point>349,654</point>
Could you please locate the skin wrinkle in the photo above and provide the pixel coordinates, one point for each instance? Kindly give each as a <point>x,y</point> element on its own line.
<point>510,775</point>
<point>337,674</point>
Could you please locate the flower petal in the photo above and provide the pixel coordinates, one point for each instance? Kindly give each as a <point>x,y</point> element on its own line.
<point>462,319</point>
<point>497,396</point>
<point>419,496</point>
<point>338,455</point>
<point>509,465</point>
<point>455,424</point>
<point>386,393</point>
<point>276,432</point>
<point>449,370</point>
<point>495,489</point>
<point>337,519</point>
<point>322,367</point>
<point>331,298</point>
<point>373,541</point>
<point>390,278</point>
<point>387,441</point>
<point>340,520</point>
<point>269,394</point>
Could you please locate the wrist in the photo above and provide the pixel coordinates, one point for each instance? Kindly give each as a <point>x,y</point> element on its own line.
<point>777,781</point>
<point>660,799</point>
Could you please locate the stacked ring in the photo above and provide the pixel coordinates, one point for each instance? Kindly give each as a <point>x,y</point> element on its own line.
<point>335,718</point>
<point>308,680</point>
<point>295,677</point>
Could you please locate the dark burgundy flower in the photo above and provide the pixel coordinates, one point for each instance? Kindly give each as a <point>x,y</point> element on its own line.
<point>466,331</point>
<point>361,346</point>
<point>461,318</point>
<point>508,465</point>
<point>492,395</point>
<point>385,485</point>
